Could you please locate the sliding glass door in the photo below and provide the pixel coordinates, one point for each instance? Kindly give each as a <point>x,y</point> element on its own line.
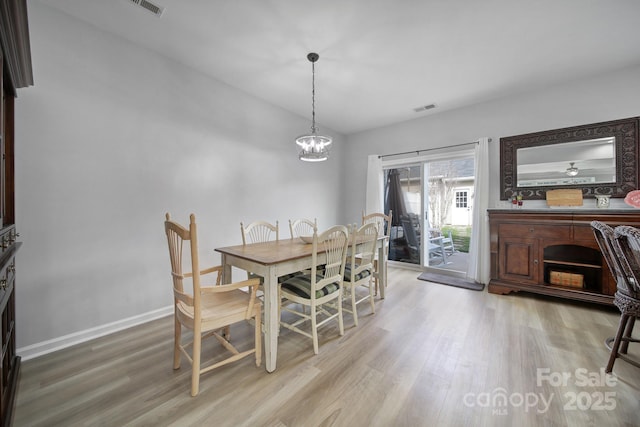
<point>431,199</point>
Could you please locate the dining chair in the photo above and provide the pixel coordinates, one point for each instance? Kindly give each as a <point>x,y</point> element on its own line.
<point>302,227</point>
<point>320,290</point>
<point>359,269</point>
<point>259,232</point>
<point>384,229</point>
<point>206,310</point>
<point>626,244</point>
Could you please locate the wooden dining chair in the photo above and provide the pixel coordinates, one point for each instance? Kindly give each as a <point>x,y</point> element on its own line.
<point>302,227</point>
<point>626,244</point>
<point>206,310</point>
<point>320,289</point>
<point>384,229</point>
<point>259,232</point>
<point>359,269</point>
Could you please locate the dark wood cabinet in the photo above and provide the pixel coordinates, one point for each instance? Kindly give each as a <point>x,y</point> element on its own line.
<point>552,252</point>
<point>15,62</point>
<point>9,360</point>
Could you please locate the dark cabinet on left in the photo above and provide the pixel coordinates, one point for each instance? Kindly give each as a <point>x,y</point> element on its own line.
<point>15,61</point>
<point>9,360</point>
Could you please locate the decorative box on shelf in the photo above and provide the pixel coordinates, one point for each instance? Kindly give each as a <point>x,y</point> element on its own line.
<point>563,278</point>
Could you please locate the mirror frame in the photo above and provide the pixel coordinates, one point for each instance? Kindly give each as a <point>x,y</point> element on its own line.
<point>625,132</point>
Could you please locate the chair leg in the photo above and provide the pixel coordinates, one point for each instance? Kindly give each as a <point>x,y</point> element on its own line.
<point>226,333</point>
<point>314,328</point>
<point>177,336</point>
<point>354,309</point>
<point>616,342</point>
<point>340,319</point>
<point>371,300</point>
<point>386,270</point>
<point>627,334</point>
<point>376,274</point>
<point>195,364</point>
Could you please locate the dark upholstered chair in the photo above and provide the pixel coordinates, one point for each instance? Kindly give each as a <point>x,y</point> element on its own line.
<point>621,250</point>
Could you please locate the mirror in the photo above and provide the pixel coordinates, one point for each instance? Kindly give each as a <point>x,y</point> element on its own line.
<point>600,159</point>
<point>568,163</point>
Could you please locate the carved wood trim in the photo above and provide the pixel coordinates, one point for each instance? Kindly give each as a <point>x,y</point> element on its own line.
<point>627,151</point>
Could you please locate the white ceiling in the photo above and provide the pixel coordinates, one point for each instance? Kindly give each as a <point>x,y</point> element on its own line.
<point>380,59</point>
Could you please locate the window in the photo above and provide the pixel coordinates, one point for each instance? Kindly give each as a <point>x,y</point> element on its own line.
<point>461,199</point>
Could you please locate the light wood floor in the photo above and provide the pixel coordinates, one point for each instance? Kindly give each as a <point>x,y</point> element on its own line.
<point>432,355</point>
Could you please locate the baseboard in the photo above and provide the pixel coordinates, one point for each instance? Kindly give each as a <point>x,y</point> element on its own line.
<point>45,347</point>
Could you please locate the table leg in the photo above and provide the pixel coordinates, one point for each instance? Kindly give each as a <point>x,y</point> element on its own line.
<point>382,270</point>
<point>271,319</point>
<point>226,270</point>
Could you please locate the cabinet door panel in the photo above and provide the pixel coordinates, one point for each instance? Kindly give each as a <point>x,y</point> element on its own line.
<point>519,260</point>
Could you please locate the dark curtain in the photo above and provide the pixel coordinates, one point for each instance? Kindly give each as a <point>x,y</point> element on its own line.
<point>394,198</point>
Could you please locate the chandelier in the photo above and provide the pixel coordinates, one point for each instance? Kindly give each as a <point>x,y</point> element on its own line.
<point>313,147</point>
<point>571,170</point>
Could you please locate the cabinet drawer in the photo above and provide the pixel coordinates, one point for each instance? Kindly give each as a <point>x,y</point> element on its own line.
<point>536,231</point>
<point>583,233</point>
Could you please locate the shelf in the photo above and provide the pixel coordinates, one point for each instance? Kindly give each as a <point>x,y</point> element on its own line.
<point>581,289</point>
<point>575,264</point>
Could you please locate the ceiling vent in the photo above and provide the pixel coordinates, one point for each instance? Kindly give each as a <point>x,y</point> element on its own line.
<point>424,108</point>
<point>150,7</point>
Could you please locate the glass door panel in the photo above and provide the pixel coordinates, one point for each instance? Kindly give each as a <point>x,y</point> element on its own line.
<point>403,196</point>
<point>449,198</point>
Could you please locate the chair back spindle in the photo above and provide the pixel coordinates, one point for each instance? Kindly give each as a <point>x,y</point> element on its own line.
<point>302,227</point>
<point>259,232</point>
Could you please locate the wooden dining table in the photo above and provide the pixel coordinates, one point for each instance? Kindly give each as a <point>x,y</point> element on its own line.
<point>272,260</point>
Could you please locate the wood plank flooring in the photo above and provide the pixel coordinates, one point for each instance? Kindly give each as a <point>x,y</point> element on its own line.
<point>432,355</point>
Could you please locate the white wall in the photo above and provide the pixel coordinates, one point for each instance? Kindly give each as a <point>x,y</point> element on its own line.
<point>607,97</point>
<point>111,137</point>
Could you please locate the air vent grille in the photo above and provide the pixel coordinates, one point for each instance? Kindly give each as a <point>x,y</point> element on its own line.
<point>148,6</point>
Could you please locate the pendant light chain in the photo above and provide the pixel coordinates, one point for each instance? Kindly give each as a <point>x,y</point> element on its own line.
<point>313,97</point>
